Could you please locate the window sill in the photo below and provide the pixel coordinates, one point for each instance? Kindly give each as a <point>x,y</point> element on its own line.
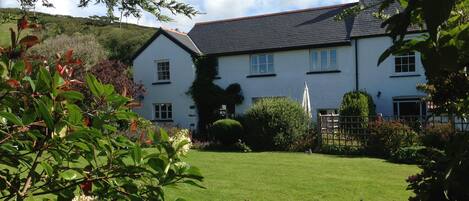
<point>217,78</point>
<point>323,72</point>
<point>163,120</point>
<point>262,75</point>
<point>161,83</point>
<point>405,75</point>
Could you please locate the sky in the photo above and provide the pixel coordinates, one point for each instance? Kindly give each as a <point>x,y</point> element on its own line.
<point>211,9</point>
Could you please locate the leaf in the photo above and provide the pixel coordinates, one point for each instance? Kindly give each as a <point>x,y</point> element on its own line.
<point>23,23</point>
<point>69,55</point>
<point>71,95</point>
<point>45,113</point>
<point>29,41</point>
<point>193,183</point>
<point>74,114</point>
<point>13,83</point>
<point>47,168</point>
<point>45,77</point>
<point>136,154</point>
<point>157,164</point>
<point>70,174</point>
<point>31,82</point>
<point>12,118</point>
<point>94,86</point>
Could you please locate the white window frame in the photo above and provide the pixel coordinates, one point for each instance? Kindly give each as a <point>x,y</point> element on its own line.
<point>408,64</point>
<point>255,64</point>
<point>157,63</point>
<point>316,59</point>
<point>168,111</point>
<point>396,105</point>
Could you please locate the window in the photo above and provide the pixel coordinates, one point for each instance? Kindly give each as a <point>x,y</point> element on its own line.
<point>217,73</point>
<point>409,107</point>
<point>262,64</point>
<point>404,63</point>
<point>323,60</point>
<point>163,111</point>
<point>163,70</point>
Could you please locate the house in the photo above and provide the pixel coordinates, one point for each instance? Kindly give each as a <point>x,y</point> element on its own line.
<point>273,55</point>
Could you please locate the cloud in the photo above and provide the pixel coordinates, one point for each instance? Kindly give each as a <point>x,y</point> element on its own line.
<point>212,9</point>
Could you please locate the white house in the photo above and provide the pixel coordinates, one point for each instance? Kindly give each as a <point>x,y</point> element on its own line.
<point>273,55</point>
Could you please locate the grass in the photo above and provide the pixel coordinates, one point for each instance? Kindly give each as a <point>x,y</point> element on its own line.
<point>295,176</point>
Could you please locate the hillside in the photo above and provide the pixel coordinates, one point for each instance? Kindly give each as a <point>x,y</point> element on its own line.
<point>121,40</point>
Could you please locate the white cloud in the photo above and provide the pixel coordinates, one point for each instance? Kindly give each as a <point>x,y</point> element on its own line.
<point>212,9</point>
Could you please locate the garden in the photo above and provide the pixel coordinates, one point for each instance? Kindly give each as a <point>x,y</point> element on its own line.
<point>68,132</point>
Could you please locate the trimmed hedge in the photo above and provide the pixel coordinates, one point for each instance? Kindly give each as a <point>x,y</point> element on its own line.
<point>357,103</point>
<point>226,131</point>
<point>275,124</point>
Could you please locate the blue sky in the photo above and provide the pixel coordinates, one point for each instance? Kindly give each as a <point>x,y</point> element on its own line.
<point>213,9</point>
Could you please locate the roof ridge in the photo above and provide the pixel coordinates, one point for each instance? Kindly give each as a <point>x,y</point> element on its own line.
<point>174,31</point>
<point>278,13</point>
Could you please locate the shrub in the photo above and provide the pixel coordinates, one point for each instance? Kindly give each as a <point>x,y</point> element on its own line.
<point>85,47</point>
<point>241,146</point>
<point>388,136</point>
<point>341,150</point>
<point>410,155</point>
<point>437,135</point>
<point>307,142</point>
<point>445,173</point>
<point>357,103</point>
<point>275,124</point>
<point>226,131</point>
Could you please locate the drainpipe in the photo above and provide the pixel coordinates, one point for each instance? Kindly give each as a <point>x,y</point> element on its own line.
<point>356,65</point>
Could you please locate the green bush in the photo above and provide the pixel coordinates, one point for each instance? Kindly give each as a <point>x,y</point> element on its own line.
<point>341,150</point>
<point>226,131</point>
<point>275,124</point>
<point>437,135</point>
<point>410,155</point>
<point>388,136</point>
<point>357,103</point>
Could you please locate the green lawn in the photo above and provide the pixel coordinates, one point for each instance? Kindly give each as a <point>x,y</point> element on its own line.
<point>295,176</point>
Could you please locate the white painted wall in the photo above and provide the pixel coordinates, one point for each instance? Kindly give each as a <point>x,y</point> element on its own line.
<point>326,90</point>
<point>374,79</point>
<point>182,73</point>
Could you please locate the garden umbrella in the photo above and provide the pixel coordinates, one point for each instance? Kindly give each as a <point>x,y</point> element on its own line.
<point>306,102</point>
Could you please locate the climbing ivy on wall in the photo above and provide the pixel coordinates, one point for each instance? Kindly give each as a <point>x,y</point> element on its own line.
<point>207,96</point>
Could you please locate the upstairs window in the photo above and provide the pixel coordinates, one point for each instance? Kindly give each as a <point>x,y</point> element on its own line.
<point>404,63</point>
<point>262,64</point>
<point>163,111</point>
<point>163,73</point>
<point>324,60</point>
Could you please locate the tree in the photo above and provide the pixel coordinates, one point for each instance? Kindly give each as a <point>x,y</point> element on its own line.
<point>134,8</point>
<point>54,143</point>
<point>444,49</point>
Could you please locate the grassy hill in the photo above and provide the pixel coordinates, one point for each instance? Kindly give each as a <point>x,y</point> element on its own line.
<point>121,40</point>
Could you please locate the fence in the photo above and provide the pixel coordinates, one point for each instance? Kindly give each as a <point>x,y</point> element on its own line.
<point>354,131</point>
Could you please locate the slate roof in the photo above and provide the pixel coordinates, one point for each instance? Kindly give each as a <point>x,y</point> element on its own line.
<point>300,28</point>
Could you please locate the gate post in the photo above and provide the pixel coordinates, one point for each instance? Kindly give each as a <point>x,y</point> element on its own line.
<point>319,132</point>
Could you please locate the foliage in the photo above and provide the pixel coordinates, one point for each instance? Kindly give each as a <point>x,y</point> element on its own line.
<point>50,144</point>
<point>386,137</point>
<point>134,8</point>
<point>275,124</point>
<point>410,155</point>
<point>341,150</point>
<point>209,97</point>
<point>226,131</point>
<point>85,48</point>
<point>241,146</point>
<point>116,74</point>
<point>445,174</point>
<point>307,142</point>
<point>437,135</point>
<point>121,41</point>
<point>357,103</point>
